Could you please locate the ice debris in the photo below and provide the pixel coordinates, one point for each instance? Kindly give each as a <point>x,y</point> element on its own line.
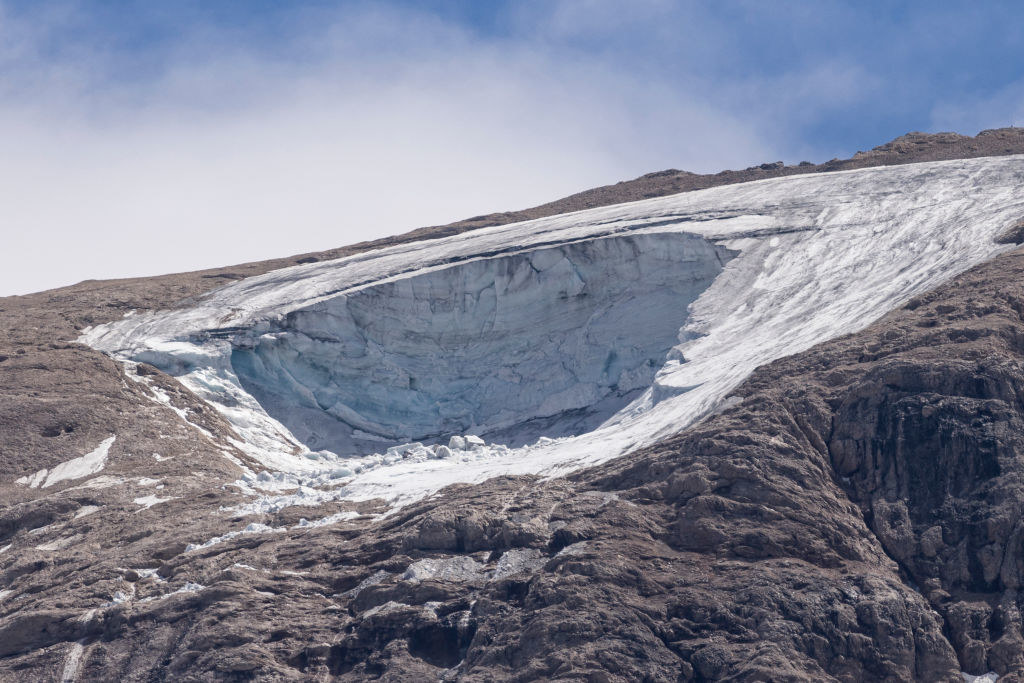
<point>329,483</point>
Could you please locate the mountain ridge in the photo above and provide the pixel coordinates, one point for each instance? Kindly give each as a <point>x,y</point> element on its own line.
<point>912,147</point>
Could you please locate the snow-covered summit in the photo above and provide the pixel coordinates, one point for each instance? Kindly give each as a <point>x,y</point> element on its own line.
<point>601,331</point>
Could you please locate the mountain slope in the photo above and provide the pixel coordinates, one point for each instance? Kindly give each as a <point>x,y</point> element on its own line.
<point>804,533</point>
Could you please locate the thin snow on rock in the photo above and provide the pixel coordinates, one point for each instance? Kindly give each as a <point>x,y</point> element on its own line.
<point>189,587</point>
<point>149,574</point>
<point>240,565</point>
<point>90,463</point>
<point>86,510</point>
<point>327,521</point>
<point>149,501</point>
<point>558,343</point>
<point>254,528</point>
<point>59,544</point>
<point>72,662</point>
<point>458,568</point>
<point>377,577</point>
<point>101,482</point>
<point>516,561</point>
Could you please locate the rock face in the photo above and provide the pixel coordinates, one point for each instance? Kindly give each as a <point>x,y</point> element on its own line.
<point>922,424</point>
<point>855,515</point>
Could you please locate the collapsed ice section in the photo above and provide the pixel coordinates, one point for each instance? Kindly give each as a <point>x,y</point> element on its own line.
<point>607,329</point>
<point>548,342</point>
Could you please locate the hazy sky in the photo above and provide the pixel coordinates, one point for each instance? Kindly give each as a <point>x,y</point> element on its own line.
<point>139,138</point>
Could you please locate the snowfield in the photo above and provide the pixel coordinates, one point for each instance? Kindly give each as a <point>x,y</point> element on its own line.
<point>560,342</point>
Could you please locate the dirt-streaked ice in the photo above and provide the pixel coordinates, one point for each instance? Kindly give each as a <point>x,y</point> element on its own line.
<point>549,327</point>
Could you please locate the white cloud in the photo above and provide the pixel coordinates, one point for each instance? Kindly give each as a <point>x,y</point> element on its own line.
<point>385,122</point>
<point>1005,107</point>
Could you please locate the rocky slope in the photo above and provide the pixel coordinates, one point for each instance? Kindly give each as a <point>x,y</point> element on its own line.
<point>854,516</point>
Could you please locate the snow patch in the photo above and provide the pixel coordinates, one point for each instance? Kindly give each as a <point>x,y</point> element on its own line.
<point>86,510</point>
<point>33,480</point>
<point>149,501</point>
<point>329,484</point>
<point>90,463</point>
<point>253,528</point>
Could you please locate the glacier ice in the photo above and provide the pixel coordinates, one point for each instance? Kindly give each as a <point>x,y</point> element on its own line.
<point>540,342</point>
<point>574,338</point>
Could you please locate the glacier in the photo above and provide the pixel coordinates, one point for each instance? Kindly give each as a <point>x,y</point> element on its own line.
<point>563,341</point>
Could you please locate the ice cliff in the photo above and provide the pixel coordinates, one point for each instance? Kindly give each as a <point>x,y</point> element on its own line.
<point>535,343</point>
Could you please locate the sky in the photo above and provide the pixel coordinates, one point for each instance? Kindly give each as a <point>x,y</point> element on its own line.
<point>140,138</point>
